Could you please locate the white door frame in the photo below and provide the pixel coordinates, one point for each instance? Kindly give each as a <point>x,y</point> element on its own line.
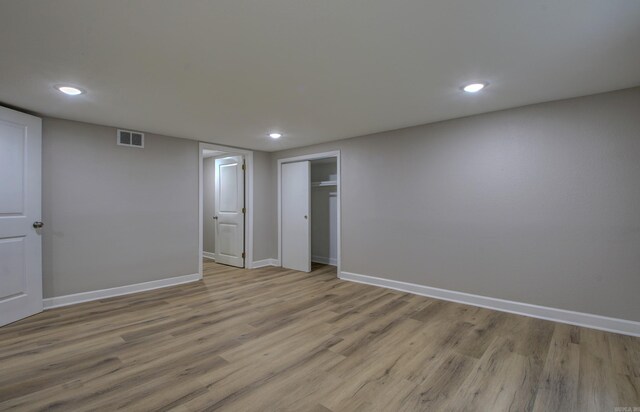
<point>313,156</point>
<point>248,200</point>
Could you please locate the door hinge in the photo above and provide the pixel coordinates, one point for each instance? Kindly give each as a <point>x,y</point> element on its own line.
<point>244,210</point>
<point>244,167</point>
<point>242,255</point>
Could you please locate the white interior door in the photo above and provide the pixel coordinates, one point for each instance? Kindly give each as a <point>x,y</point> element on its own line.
<point>296,220</point>
<point>229,211</point>
<point>20,242</point>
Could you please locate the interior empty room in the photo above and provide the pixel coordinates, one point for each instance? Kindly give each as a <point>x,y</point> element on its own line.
<point>320,206</point>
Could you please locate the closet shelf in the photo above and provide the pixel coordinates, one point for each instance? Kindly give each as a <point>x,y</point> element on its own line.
<point>324,183</point>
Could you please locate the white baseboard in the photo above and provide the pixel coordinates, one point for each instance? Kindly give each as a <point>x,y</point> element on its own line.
<point>324,260</point>
<point>265,262</point>
<point>209,255</point>
<point>626,327</point>
<point>58,301</point>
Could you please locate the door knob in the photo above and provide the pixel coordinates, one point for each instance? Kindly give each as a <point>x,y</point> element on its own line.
<point>37,225</point>
<point>215,218</point>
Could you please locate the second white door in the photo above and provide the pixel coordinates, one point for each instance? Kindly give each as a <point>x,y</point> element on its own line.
<point>20,241</point>
<point>296,219</point>
<point>229,211</point>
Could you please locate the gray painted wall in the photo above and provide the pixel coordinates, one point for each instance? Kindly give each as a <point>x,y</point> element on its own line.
<point>115,215</point>
<point>265,229</point>
<point>208,204</point>
<point>539,204</point>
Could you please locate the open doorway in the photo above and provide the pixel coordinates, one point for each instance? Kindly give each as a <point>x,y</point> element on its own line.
<point>226,205</point>
<point>309,211</point>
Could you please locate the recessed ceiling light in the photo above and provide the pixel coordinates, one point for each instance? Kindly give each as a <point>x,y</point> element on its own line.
<point>70,90</point>
<point>474,87</point>
<point>275,135</point>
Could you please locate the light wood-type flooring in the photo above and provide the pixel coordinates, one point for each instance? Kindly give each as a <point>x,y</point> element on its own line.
<point>279,340</point>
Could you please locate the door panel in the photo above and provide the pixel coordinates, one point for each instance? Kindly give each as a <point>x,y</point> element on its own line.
<point>20,243</point>
<point>12,143</point>
<point>228,239</point>
<point>13,276</point>
<point>296,220</point>
<point>229,188</point>
<point>229,202</point>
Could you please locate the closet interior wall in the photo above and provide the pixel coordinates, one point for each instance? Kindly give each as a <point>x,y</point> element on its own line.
<point>324,212</point>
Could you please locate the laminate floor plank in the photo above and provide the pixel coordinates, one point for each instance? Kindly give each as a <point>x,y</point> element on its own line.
<point>273,339</point>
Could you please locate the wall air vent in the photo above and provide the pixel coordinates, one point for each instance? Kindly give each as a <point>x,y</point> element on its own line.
<point>131,139</point>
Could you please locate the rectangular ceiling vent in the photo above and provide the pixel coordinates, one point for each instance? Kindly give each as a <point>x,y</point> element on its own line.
<point>131,139</point>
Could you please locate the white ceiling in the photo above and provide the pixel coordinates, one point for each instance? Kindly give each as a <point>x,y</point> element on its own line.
<point>230,71</point>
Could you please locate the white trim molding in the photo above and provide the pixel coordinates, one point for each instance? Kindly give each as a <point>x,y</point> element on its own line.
<point>324,260</point>
<point>209,255</point>
<point>587,320</point>
<point>264,263</point>
<point>58,301</point>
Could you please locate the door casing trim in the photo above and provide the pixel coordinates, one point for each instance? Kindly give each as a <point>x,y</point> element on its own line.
<point>248,200</point>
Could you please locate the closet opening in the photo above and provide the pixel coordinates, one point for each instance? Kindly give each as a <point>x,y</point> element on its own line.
<point>324,211</point>
<point>309,211</point>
